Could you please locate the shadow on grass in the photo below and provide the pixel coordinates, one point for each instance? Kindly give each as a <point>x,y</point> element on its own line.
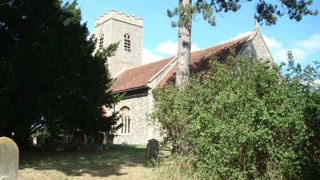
<point>96,164</point>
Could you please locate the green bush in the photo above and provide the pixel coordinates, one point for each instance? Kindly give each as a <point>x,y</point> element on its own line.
<point>245,120</point>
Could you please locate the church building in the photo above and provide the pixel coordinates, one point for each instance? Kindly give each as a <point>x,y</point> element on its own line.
<point>138,81</point>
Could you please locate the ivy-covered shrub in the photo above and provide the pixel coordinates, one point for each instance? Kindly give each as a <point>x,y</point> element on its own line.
<point>246,119</point>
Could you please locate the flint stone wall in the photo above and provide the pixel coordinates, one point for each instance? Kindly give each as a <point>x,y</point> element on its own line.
<point>114,25</point>
<point>256,48</point>
<point>141,129</point>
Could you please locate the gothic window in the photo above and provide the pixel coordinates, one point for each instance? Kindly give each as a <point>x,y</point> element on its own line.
<point>125,120</point>
<point>101,41</point>
<point>127,42</point>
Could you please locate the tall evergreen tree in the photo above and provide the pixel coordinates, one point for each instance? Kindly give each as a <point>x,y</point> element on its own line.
<point>265,13</point>
<point>49,75</point>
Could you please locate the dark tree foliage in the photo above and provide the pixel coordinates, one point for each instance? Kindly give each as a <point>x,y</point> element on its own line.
<point>49,75</point>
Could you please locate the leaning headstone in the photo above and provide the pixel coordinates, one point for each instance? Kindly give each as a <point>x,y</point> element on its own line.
<point>152,149</point>
<point>9,159</point>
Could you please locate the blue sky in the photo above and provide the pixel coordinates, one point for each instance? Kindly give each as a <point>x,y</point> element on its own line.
<point>160,39</point>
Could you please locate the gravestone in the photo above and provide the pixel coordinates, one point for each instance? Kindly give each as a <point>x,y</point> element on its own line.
<point>110,138</point>
<point>34,140</point>
<point>98,141</point>
<point>77,140</point>
<point>9,159</point>
<point>53,144</point>
<point>152,149</point>
<point>41,140</point>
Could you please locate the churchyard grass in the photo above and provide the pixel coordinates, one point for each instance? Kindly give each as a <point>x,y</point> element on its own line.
<point>111,163</point>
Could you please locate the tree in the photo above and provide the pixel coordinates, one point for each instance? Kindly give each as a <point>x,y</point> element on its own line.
<point>49,75</point>
<point>265,12</point>
<point>245,120</point>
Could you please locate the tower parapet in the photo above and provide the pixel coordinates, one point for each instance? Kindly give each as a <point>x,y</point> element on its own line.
<point>125,29</point>
<point>113,14</point>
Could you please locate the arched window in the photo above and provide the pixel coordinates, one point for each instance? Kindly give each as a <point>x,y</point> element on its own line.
<point>101,41</point>
<point>127,42</point>
<point>125,120</point>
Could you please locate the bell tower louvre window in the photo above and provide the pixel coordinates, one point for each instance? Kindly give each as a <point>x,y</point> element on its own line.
<point>101,41</point>
<point>127,43</point>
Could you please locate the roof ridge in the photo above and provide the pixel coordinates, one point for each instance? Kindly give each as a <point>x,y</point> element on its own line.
<point>147,64</point>
<point>155,73</point>
<point>162,69</point>
<point>228,41</point>
<point>174,56</point>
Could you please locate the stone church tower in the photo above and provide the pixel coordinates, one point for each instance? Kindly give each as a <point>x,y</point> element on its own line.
<point>113,27</point>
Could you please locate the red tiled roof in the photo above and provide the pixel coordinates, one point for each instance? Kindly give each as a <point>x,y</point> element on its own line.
<point>138,77</point>
<point>199,60</point>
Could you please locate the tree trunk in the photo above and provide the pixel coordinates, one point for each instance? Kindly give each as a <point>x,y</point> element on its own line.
<point>184,44</point>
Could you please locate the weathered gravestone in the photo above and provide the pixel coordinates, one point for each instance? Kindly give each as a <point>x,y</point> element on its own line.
<point>53,144</point>
<point>152,149</point>
<point>9,159</point>
<point>98,141</point>
<point>110,138</point>
<point>77,140</point>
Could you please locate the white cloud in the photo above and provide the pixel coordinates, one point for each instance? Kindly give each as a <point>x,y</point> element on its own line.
<point>299,54</point>
<point>171,48</point>
<point>238,36</point>
<point>167,47</point>
<point>311,44</point>
<point>272,43</point>
<point>194,47</point>
<point>164,49</point>
<point>148,56</point>
<point>281,54</point>
<point>300,49</point>
<point>242,34</point>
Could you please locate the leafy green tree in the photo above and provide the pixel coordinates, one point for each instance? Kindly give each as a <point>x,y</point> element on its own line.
<point>265,13</point>
<point>245,120</point>
<point>49,74</point>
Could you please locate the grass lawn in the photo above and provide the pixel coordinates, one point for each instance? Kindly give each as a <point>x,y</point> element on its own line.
<point>112,163</point>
